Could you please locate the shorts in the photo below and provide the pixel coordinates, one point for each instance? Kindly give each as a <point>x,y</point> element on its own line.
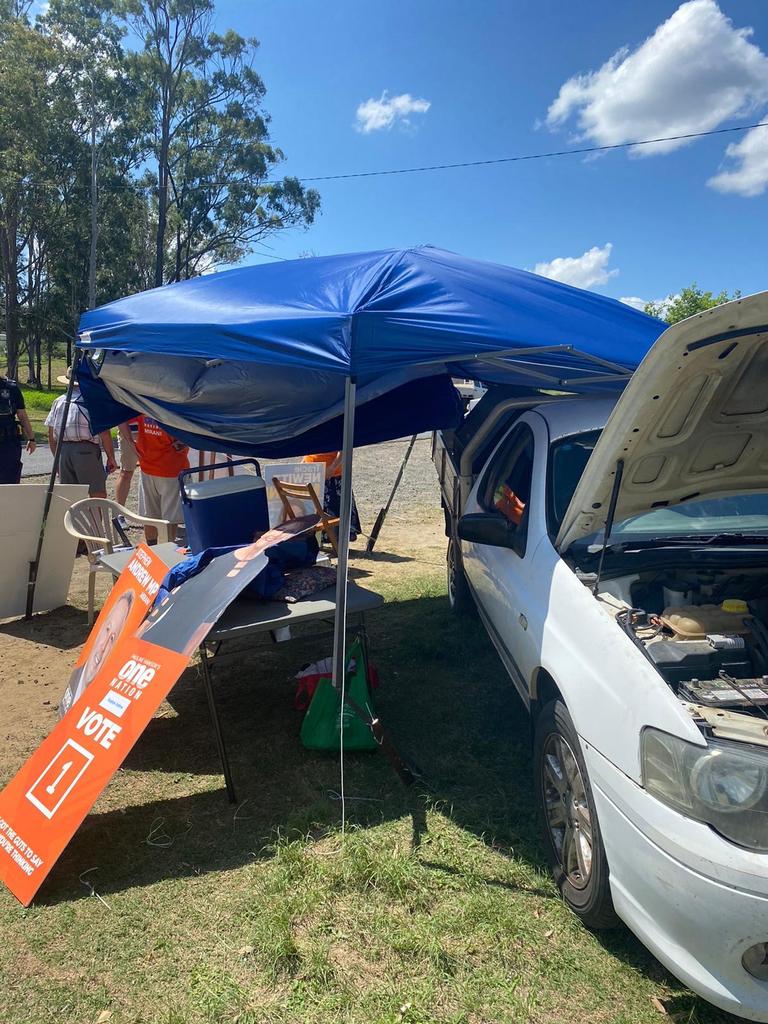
<point>160,498</point>
<point>81,464</point>
<point>128,457</point>
<point>10,462</point>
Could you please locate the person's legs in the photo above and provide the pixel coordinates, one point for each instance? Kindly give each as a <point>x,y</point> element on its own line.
<point>170,502</point>
<point>88,468</point>
<point>127,467</point>
<point>332,504</point>
<point>67,473</point>
<point>123,486</point>
<point>149,504</point>
<point>10,462</point>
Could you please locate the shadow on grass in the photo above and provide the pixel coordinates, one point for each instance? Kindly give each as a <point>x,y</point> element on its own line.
<point>383,556</point>
<point>447,703</point>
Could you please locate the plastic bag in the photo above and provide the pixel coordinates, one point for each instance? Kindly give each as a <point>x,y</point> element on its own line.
<point>322,723</point>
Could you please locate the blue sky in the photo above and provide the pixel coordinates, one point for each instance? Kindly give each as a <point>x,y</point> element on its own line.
<point>482,78</point>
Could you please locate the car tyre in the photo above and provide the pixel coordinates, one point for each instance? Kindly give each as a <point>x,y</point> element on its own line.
<point>569,818</point>
<point>459,596</point>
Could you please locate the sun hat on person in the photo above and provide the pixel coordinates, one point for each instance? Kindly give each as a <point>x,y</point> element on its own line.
<point>64,378</point>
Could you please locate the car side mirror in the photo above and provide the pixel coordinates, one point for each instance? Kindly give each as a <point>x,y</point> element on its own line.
<point>488,528</point>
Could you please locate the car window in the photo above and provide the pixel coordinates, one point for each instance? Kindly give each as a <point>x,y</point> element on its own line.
<point>567,461</point>
<point>507,486</point>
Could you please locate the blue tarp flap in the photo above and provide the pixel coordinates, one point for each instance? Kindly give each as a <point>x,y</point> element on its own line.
<point>257,356</point>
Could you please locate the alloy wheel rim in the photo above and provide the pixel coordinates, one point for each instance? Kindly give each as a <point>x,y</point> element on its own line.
<point>567,810</point>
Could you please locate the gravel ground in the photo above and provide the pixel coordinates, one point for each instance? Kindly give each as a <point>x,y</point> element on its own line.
<point>374,472</point>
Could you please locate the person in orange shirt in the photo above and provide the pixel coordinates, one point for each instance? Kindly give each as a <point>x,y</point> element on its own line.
<point>332,496</point>
<point>161,459</point>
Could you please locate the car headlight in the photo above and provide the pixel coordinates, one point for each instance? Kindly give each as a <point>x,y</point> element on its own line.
<point>724,784</point>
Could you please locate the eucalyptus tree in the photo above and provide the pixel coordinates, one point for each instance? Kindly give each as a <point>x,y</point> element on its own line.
<point>208,140</point>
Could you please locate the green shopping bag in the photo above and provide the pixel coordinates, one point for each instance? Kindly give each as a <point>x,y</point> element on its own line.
<point>322,723</point>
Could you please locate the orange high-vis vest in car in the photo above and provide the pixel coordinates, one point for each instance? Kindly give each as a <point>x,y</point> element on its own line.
<point>508,503</point>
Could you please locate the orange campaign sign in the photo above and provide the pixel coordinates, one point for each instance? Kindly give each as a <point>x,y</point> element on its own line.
<point>124,610</point>
<point>121,678</point>
<point>42,807</point>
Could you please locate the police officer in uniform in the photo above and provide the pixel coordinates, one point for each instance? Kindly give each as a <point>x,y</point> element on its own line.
<point>13,420</point>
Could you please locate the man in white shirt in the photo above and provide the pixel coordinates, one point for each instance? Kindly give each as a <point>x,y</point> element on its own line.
<point>80,461</point>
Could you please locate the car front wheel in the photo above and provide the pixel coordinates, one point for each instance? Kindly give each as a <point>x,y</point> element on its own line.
<point>568,813</point>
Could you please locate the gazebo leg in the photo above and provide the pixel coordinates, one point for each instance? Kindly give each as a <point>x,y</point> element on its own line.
<point>207,684</point>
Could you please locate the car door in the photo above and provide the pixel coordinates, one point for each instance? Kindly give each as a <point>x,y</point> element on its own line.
<point>501,577</point>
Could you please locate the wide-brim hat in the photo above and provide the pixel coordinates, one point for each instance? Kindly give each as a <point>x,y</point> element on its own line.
<point>64,378</point>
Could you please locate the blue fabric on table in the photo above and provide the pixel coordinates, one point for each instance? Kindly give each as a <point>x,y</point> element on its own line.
<point>294,553</point>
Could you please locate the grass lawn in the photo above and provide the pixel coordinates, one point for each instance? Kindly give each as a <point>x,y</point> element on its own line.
<point>435,907</point>
<point>38,405</point>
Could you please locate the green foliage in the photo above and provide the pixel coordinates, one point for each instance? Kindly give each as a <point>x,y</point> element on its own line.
<point>167,117</point>
<point>207,136</point>
<point>688,302</point>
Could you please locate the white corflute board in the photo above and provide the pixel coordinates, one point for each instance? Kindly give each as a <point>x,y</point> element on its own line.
<point>21,511</point>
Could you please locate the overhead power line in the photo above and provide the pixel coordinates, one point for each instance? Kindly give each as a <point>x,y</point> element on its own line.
<point>536,156</point>
<point>425,168</point>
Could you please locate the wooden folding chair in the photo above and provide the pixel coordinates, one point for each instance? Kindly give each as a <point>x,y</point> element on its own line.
<point>306,492</point>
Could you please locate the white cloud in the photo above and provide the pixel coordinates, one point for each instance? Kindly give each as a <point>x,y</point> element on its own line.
<point>694,73</point>
<point>749,175</point>
<point>634,301</point>
<point>589,270</point>
<point>374,115</point>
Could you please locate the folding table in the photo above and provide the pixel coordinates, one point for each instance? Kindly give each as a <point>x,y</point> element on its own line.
<point>246,618</point>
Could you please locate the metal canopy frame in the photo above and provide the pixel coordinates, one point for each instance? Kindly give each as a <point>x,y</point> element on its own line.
<point>508,360</point>
<point>495,358</point>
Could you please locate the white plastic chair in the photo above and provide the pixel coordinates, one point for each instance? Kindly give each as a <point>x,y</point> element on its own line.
<point>90,520</point>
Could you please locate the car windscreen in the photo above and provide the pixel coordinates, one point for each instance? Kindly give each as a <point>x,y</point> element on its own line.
<point>738,513</point>
<point>567,460</point>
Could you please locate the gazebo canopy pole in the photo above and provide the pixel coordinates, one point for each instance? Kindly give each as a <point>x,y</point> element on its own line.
<point>345,520</point>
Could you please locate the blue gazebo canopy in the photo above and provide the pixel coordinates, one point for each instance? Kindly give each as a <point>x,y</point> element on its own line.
<point>255,359</point>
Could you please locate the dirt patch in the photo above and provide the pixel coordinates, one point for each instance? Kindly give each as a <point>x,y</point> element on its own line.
<point>37,656</point>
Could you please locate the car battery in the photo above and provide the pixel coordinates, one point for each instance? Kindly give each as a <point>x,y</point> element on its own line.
<point>680,661</point>
<point>726,693</point>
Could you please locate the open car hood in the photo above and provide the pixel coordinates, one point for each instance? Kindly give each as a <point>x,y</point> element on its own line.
<point>692,423</point>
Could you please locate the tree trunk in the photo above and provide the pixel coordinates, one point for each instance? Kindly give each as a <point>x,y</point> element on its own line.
<point>178,253</point>
<point>94,218</point>
<point>162,204</point>
<point>11,287</point>
<point>32,303</point>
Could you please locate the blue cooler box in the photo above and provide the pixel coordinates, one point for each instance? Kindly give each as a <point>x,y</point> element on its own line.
<point>223,511</point>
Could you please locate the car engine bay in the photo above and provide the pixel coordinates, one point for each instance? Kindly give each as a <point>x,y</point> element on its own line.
<point>705,633</point>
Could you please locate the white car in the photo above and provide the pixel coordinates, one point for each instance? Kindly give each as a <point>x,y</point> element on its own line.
<point>640,647</point>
